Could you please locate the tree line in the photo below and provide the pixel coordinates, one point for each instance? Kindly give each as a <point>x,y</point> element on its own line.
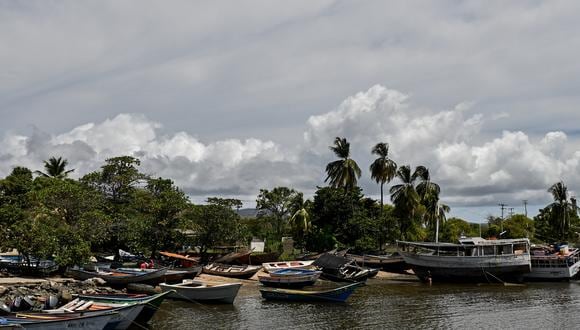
<point>46,214</point>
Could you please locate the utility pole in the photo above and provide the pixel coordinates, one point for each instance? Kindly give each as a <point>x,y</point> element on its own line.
<point>510,212</point>
<point>526,207</point>
<point>503,207</point>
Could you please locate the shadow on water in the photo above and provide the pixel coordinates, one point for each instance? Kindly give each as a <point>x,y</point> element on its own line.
<point>394,305</point>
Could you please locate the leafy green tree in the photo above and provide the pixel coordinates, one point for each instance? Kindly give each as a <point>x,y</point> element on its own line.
<point>434,212</point>
<point>276,203</point>
<point>561,210</point>
<point>159,209</point>
<point>300,219</point>
<point>212,225</point>
<point>454,228</point>
<point>342,173</point>
<point>518,226</point>
<point>406,199</point>
<point>383,169</point>
<point>55,168</point>
<point>227,202</point>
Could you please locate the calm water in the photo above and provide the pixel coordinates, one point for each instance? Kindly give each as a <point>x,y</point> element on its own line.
<point>389,304</point>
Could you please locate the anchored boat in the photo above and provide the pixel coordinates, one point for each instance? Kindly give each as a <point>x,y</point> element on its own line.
<point>547,265</point>
<point>472,260</point>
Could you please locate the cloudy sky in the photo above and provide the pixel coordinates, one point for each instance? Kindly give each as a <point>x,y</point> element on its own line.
<point>227,98</point>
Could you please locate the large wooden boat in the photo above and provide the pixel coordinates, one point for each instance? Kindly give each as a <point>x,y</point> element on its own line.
<point>114,278</point>
<point>151,303</point>
<point>339,294</point>
<point>472,260</point>
<point>203,291</point>
<point>548,265</point>
<point>290,278</point>
<point>243,272</point>
<point>91,322</point>
<point>272,266</point>
<point>393,263</point>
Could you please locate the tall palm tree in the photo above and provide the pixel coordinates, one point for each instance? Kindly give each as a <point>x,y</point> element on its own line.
<point>560,209</point>
<point>434,212</point>
<point>383,169</point>
<point>300,219</point>
<point>425,186</point>
<point>55,168</point>
<point>405,197</point>
<point>345,171</point>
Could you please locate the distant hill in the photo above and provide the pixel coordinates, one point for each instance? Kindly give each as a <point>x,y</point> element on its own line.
<point>248,213</point>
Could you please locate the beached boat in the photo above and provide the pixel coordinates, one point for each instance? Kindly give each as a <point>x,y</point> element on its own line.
<point>240,257</point>
<point>91,322</point>
<point>185,261</point>
<point>17,265</point>
<point>290,278</point>
<point>393,263</point>
<point>203,291</point>
<point>115,278</point>
<point>151,303</point>
<point>243,272</point>
<point>175,275</point>
<point>547,265</point>
<point>472,260</point>
<point>341,269</point>
<point>272,266</point>
<point>339,294</point>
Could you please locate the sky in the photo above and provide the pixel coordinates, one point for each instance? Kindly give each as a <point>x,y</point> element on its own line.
<point>227,98</point>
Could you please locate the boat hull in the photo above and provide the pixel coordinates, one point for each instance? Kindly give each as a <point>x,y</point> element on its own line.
<point>93,322</point>
<point>335,295</point>
<point>468,269</point>
<point>224,293</point>
<point>231,271</point>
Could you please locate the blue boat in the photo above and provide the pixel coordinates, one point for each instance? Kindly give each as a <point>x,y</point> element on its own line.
<point>339,294</point>
<point>294,272</point>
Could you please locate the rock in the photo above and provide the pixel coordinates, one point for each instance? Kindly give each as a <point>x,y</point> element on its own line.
<point>143,288</point>
<point>22,290</point>
<point>3,290</point>
<point>66,296</point>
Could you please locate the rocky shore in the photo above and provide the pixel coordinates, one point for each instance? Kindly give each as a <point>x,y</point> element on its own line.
<point>38,292</point>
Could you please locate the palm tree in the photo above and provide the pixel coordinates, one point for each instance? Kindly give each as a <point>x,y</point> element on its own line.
<point>560,209</point>
<point>405,197</point>
<point>55,168</point>
<point>426,186</point>
<point>383,169</point>
<point>300,219</point>
<point>434,212</point>
<point>345,171</point>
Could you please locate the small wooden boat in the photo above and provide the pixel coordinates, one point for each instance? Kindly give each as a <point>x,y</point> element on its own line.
<point>339,294</point>
<point>290,278</point>
<point>203,291</point>
<point>341,269</point>
<point>186,261</point>
<point>243,272</point>
<point>91,322</point>
<point>272,266</point>
<point>114,278</point>
<point>175,275</point>
<point>151,303</point>
<point>393,263</point>
<point>241,257</point>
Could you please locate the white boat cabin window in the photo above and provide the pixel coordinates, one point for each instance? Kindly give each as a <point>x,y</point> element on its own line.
<point>488,250</point>
<point>505,249</point>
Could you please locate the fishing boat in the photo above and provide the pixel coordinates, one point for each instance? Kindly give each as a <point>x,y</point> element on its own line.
<point>175,275</point>
<point>203,291</point>
<point>18,265</point>
<point>150,303</point>
<point>185,261</point>
<point>290,278</point>
<point>340,269</point>
<point>272,266</point>
<point>115,278</point>
<point>392,263</point>
<point>243,272</point>
<point>339,294</point>
<point>548,264</point>
<point>472,260</point>
<point>240,257</point>
<point>91,322</point>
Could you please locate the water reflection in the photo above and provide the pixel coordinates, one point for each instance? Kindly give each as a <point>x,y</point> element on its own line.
<point>384,304</point>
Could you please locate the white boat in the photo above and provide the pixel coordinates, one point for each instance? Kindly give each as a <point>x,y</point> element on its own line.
<point>473,259</point>
<point>203,291</point>
<point>272,266</point>
<point>91,322</point>
<point>549,266</point>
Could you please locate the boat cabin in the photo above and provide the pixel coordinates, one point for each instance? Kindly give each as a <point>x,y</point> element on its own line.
<point>469,247</point>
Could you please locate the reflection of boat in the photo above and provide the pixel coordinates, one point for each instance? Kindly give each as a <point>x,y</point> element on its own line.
<point>550,266</point>
<point>272,266</point>
<point>341,269</point>
<point>473,259</point>
<point>290,278</point>
<point>243,272</point>
<point>339,294</point>
<point>203,291</point>
<point>393,263</point>
<point>117,278</point>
